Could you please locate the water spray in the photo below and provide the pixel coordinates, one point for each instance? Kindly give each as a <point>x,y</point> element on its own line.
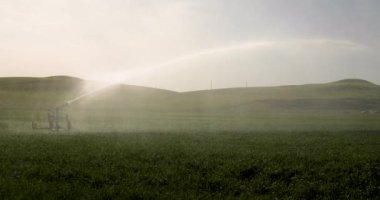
<point>188,57</point>
<point>54,116</point>
<point>152,68</point>
<point>55,120</point>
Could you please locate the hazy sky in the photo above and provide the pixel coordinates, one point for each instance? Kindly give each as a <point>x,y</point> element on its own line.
<point>184,44</point>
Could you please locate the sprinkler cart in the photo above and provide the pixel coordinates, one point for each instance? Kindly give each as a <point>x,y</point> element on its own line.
<point>55,120</point>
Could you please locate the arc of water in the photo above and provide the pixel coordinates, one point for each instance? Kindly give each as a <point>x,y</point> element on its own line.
<point>153,68</point>
<point>208,52</point>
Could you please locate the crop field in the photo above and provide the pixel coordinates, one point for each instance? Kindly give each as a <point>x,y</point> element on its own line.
<point>301,142</point>
<point>190,165</point>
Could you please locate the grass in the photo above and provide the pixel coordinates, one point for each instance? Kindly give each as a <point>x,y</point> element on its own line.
<point>193,165</point>
<point>129,142</point>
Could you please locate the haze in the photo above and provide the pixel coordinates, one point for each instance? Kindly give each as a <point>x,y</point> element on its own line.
<point>184,45</point>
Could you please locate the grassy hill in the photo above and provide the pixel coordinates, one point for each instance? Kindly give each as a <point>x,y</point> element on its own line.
<point>47,92</point>
<point>348,94</point>
<point>30,93</point>
<point>24,99</point>
<point>345,94</point>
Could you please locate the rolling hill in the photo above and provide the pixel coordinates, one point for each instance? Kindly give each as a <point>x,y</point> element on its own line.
<point>23,99</point>
<point>40,93</point>
<point>350,94</point>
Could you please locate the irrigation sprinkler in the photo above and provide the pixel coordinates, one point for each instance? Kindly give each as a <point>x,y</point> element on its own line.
<point>55,120</point>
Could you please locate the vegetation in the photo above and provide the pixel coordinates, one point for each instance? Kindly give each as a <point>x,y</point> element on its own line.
<point>192,165</point>
<point>292,142</point>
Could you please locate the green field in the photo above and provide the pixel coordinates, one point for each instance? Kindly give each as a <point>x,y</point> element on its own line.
<point>318,141</point>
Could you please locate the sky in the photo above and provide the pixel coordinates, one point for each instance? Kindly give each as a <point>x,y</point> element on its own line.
<point>185,45</point>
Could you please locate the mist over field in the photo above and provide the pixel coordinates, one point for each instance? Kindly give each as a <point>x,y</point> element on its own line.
<point>189,99</point>
<point>92,106</point>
